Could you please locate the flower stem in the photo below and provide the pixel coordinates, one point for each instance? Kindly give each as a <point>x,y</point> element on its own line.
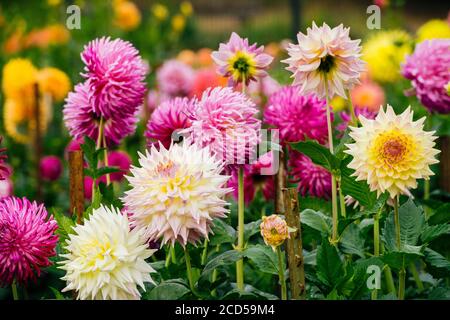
<point>376,243</point>
<point>342,201</point>
<point>189,269</point>
<point>15,293</point>
<point>388,275</point>
<point>402,272</point>
<point>240,246</point>
<point>416,276</point>
<point>354,121</point>
<point>281,274</point>
<point>172,254</point>
<point>108,177</point>
<point>397,224</point>
<point>401,283</point>
<point>205,252</point>
<point>99,145</point>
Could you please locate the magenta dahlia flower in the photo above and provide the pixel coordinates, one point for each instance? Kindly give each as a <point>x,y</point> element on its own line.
<point>297,117</point>
<point>167,119</point>
<point>81,119</point>
<point>428,69</point>
<point>225,120</point>
<point>120,160</point>
<point>175,78</point>
<point>116,75</point>
<point>27,240</point>
<point>312,179</point>
<point>6,188</point>
<point>239,61</point>
<point>3,167</point>
<point>50,168</point>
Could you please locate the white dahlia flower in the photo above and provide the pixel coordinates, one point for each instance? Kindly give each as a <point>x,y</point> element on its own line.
<point>106,259</point>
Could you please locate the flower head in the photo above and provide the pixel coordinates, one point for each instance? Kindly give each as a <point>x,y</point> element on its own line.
<point>27,240</point>
<point>312,179</point>
<point>3,168</point>
<point>274,230</point>
<point>50,168</point>
<point>19,76</point>
<point>325,61</point>
<point>81,119</point>
<point>175,78</point>
<point>55,82</point>
<point>296,116</point>
<point>204,79</point>
<point>428,68</point>
<point>239,61</point>
<point>176,193</point>
<point>368,95</point>
<point>106,258</point>
<point>120,160</point>
<point>126,15</point>
<point>225,120</point>
<point>392,151</point>
<point>433,29</point>
<point>384,51</point>
<point>116,76</point>
<point>170,117</point>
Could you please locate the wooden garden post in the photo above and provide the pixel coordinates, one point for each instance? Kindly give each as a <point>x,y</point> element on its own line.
<point>280,184</point>
<point>76,183</point>
<point>294,245</point>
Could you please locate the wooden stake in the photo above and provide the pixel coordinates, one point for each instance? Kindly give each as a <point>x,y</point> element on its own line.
<point>280,183</point>
<point>294,245</point>
<point>76,183</point>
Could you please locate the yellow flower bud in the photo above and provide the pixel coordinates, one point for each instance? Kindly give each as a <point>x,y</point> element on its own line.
<point>274,230</point>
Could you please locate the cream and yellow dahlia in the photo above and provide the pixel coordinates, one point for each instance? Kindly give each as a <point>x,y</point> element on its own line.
<point>392,151</point>
<point>176,193</point>
<point>106,258</point>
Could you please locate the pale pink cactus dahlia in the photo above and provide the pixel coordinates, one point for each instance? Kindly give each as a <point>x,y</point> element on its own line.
<point>241,62</point>
<point>167,120</point>
<point>176,193</point>
<point>175,78</point>
<point>325,61</point>
<point>81,119</point>
<point>225,120</point>
<point>297,117</point>
<point>116,75</point>
<point>428,68</point>
<point>27,240</point>
<point>312,179</point>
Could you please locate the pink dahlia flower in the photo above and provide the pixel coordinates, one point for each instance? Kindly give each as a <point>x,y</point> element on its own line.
<point>81,119</point>
<point>312,180</point>
<point>175,78</point>
<point>50,168</point>
<point>120,160</point>
<point>3,168</point>
<point>225,120</point>
<point>428,69</point>
<point>296,116</point>
<point>116,75</point>
<point>368,95</point>
<point>241,62</point>
<point>169,118</point>
<point>6,188</point>
<point>261,89</point>
<point>27,240</point>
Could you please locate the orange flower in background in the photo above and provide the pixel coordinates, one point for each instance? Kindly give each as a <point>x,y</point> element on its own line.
<point>204,57</point>
<point>368,95</point>
<point>55,82</point>
<point>205,78</point>
<point>14,43</point>
<point>126,15</point>
<point>273,49</point>
<point>187,56</point>
<point>56,34</point>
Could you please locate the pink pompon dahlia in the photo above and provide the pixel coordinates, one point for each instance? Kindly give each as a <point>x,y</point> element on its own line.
<point>428,69</point>
<point>116,75</point>
<point>81,119</point>
<point>225,120</point>
<point>167,120</point>
<point>3,167</point>
<point>312,179</point>
<point>325,61</point>
<point>296,116</point>
<point>50,168</point>
<point>241,62</point>
<point>175,78</point>
<point>27,240</point>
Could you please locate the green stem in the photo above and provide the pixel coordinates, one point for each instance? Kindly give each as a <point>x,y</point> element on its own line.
<point>401,283</point>
<point>402,272</point>
<point>99,145</point>
<point>15,293</point>
<point>240,246</point>
<point>376,243</point>
<point>354,121</point>
<point>205,252</point>
<point>167,257</point>
<point>173,254</point>
<point>189,269</point>
<point>342,202</point>
<point>281,274</point>
<point>397,224</point>
<point>416,276</point>
<point>108,177</point>
<point>388,275</point>
<point>214,275</point>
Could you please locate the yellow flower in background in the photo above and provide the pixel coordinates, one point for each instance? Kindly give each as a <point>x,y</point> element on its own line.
<point>338,104</point>
<point>384,52</point>
<point>274,230</point>
<point>433,29</point>
<point>186,8</point>
<point>447,87</point>
<point>392,151</point>
<point>178,23</point>
<point>19,76</point>
<point>160,11</point>
<point>55,82</point>
<point>126,15</point>
<point>53,3</point>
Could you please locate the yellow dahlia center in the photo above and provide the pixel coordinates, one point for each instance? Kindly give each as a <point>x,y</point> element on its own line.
<point>393,147</point>
<point>241,65</point>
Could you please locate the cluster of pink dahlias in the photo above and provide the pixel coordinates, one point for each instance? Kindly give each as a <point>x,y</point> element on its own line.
<point>111,94</point>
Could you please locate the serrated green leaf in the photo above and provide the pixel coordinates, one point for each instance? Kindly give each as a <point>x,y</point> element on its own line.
<point>58,295</point>
<point>437,260</point>
<point>319,154</point>
<point>65,224</point>
<point>441,215</point>
<point>316,220</point>
<point>429,233</point>
<point>251,229</point>
<point>351,241</point>
<point>264,258</point>
<point>359,190</point>
<point>106,170</point>
<point>223,259</point>
<point>329,265</point>
<point>173,289</point>
<point>222,233</point>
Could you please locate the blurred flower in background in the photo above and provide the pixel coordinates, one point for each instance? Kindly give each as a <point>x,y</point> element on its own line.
<point>186,8</point>
<point>175,78</point>
<point>126,15</point>
<point>368,95</point>
<point>160,11</point>
<point>55,82</point>
<point>50,168</point>
<point>433,29</point>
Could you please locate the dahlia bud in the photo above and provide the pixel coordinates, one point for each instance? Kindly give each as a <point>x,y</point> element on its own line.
<point>274,230</point>
<point>51,168</point>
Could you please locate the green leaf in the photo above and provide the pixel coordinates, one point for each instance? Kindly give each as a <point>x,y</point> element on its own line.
<point>436,260</point>
<point>340,148</point>
<point>106,170</point>
<point>224,259</point>
<point>249,293</point>
<point>58,295</point>
<point>88,148</point>
<point>168,290</point>
<point>351,241</point>
<point>398,260</point>
<point>359,190</point>
<point>329,265</point>
<point>65,224</point>
<point>319,154</point>
<point>264,258</point>
<point>251,229</point>
<point>441,215</point>
<point>375,208</point>
<point>316,220</point>
<point>429,233</point>
<point>222,233</point>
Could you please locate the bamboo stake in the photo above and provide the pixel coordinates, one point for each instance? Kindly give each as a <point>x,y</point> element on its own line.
<point>76,183</point>
<point>294,245</point>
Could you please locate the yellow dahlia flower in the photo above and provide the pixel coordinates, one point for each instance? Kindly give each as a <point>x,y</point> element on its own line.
<point>392,151</point>
<point>55,82</point>
<point>176,193</point>
<point>384,52</point>
<point>433,29</point>
<point>126,15</point>
<point>19,76</point>
<point>178,22</point>
<point>106,258</point>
